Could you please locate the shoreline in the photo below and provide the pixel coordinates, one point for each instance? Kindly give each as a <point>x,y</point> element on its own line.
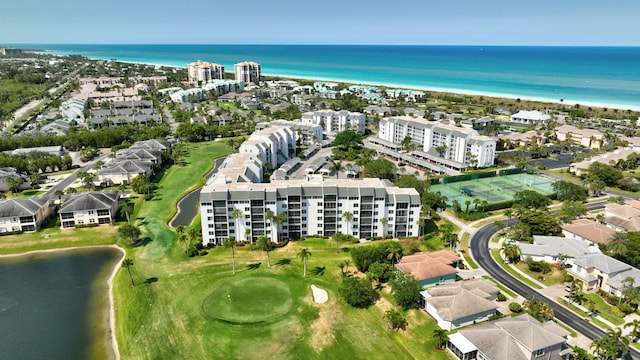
<point>111,311</point>
<point>565,102</point>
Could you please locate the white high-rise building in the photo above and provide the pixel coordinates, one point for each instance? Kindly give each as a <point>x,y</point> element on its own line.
<point>336,121</point>
<point>202,71</point>
<point>273,145</point>
<point>247,71</point>
<point>313,206</point>
<point>440,140</point>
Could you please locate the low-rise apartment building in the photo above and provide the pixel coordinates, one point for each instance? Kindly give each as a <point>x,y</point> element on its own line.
<point>334,122</point>
<point>89,208</point>
<point>24,214</point>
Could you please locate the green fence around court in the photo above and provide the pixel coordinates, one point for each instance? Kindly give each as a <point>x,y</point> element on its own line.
<point>492,189</point>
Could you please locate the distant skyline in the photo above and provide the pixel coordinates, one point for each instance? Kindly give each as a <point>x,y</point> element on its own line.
<point>410,22</point>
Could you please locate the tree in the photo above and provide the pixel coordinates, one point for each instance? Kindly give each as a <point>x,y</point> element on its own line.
<point>336,166</point>
<point>618,244</point>
<point>236,214</point>
<point>265,244</point>
<point>406,291</point>
<point>635,328</point>
<point>577,297</point>
<point>125,209</point>
<point>570,211</point>
<point>441,337</point>
<point>348,216</point>
<point>607,173</point>
<point>384,221</point>
<point>358,292</point>
<point>396,320</point>
<point>381,168</point>
<point>380,272</point>
<point>538,309</point>
<point>530,200</point>
<point>508,213</point>
<point>86,178</point>
<point>394,254</point>
<point>499,224</point>
<point>130,232</point>
<point>566,190</point>
<point>541,223</point>
<point>581,354</point>
<point>511,252</point>
<point>304,254</point>
<point>231,243</point>
<point>622,342</point>
<point>141,184</point>
<point>594,184</point>
<point>605,348</point>
<point>406,143</point>
<point>127,264</point>
<point>59,194</point>
<point>278,220</point>
<point>347,139</point>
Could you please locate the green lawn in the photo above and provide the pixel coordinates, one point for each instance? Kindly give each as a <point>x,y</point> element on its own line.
<point>495,253</point>
<point>169,314</point>
<point>54,238</point>
<point>604,310</point>
<point>553,278</point>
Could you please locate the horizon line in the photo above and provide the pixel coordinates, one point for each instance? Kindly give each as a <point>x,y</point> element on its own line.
<point>327,44</point>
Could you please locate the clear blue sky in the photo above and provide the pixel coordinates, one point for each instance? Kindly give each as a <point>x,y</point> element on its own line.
<point>464,22</point>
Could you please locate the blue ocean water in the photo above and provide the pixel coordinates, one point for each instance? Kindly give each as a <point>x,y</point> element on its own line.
<point>608,76</point>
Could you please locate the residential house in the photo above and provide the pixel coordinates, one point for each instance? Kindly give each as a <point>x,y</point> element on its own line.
<point>622,217</point>
<point>511,338</point>
<point>122,171</point>
<point>9,172</point>
<point>587,230</point>
<point>431,268</point>
<point>604,272</point>
<point>522,139</point>
<point>24,214</point>
<point>56,128</point>
<point>461,303</point>
<point>556,249</point>
<point>534,117</point>
<point>89,208</point>
<point>592,139</point>
<point>610,158</point>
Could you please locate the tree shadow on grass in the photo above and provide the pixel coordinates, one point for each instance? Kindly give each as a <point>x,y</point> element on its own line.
<point>254,266</point>
<point>283,262</point>
<point>143,241</point>
<point>151,280</point>
<point>318,270</point>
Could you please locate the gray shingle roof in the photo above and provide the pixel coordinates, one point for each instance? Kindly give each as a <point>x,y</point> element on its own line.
<point>90,201</point>
<point>21,206</point>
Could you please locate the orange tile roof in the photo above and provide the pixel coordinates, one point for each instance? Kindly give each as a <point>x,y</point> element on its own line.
<point>429,265</point>
<point>590,230</point>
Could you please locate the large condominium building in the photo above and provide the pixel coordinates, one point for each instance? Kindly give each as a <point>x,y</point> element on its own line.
<point>247,71</point>
<point>313,206</point>
<point>273,145</point>
<point>336,121</point>
<point>440,142</point>
<point>204,71</point>
<point>305,133</point>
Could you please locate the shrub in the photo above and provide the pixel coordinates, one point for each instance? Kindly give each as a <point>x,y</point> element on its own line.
<point>515,307</point>
<point>626,308</point>
<point>567,278</point>
<point>203,252</point>
<point>358,292</point>
<point>501,297</point>
<point>538,266</point>
<point>80,226</point>
<point>617,312</point>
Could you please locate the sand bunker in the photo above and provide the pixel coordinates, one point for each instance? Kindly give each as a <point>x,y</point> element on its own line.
<point>320,296</point>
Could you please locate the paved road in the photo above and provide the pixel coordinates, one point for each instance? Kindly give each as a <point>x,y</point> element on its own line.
<point>479,246</point>
<point>71,178</point>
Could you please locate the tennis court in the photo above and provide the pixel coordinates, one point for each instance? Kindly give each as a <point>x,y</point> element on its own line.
<point>493,189</point>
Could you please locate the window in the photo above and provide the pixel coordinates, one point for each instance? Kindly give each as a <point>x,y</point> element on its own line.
<point>538,353</point>
<point>92,221</point>
<point>355,212</point>
<point>319,217</point>
<point>90,212</point>
<point>319,211</point>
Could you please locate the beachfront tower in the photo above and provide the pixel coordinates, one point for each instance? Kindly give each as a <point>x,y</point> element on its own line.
<point>202,71</point>
<point>247,71</point>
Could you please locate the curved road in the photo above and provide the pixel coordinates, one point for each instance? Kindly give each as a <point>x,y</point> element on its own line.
<point>479,246</point>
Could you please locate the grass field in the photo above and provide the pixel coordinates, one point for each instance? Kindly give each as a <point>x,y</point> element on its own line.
<point>169,313</point>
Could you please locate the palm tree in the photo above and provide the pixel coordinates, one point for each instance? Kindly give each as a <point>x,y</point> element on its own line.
<point>384,221</point>
<point>265,244</point>
<point>441,337</point>
<point>183,239</point>
<point>125,209</point>
<point>508,213</point>
<point>236,214</point>
<point>622,342</point>
<point>279,220</point>
<point>337,167</point>
<point>127,264</point>
<point>348,216</point>
<point>578,298</point>
<point>269,216</point>
<point>618,244</point>
<point>604,348</point>
<point>231,243</point>
<point>511,252</point>
<point>336,238</point>
<point>394,253</point>
<point>59,194</point>
<point>635,328</point>
<point>304,254</point>
<point>129,231</point>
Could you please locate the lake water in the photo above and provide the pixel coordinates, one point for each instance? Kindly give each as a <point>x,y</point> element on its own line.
<point>55,305</point>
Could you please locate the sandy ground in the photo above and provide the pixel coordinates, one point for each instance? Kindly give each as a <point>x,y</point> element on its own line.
<point>116,267</point>
<point>320,296</point>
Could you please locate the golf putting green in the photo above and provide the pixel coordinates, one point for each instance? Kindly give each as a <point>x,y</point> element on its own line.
<point>249,300</point>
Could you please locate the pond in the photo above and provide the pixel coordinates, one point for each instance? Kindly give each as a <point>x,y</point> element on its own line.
<point>55,305</point>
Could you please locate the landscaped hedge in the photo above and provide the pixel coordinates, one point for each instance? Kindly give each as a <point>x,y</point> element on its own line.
<point>468,176</point>
<point>79,226</point>
<point>513,171</point>
<point>499,205</point>
<point>11,232</point>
